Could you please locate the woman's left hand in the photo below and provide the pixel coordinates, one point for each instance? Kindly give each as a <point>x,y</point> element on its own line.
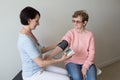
<point>84,71</point>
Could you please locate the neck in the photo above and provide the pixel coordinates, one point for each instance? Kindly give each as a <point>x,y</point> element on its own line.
<point>27,29</point>
<point>80,30</point>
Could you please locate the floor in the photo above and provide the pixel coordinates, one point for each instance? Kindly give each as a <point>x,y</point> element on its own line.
<point>111,72</point>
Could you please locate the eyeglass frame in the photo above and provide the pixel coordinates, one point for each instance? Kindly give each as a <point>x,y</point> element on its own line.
<point>77,21</point>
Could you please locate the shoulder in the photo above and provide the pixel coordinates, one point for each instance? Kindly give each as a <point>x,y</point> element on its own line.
<point>24,39</point>
<point>71,31</point>
<point>88,32</point>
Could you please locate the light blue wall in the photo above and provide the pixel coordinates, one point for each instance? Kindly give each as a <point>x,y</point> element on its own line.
<point>54,23</point>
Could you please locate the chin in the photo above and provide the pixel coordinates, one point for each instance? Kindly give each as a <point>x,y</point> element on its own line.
<point>77,28</point>
<point>34,28</point>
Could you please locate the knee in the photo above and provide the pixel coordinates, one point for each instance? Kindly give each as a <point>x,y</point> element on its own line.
<point>92,73</point>
<point>92,68</point>
<point>76,77</point>
<point>65,78</point>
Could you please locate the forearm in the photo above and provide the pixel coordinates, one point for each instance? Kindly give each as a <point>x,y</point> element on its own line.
<point>91,51</point>
<point>46,49</point>
<point>50,62</point>
<point>88,62</point>
<point>90,59</point>
<point>56,51</point>
<point>43,63</point>
<point>60,47</point>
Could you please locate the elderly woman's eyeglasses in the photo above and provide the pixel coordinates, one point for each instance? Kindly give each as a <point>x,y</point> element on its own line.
<point>77,21</point>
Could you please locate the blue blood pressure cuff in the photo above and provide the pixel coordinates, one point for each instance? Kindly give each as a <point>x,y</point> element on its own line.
<point>63,44</point>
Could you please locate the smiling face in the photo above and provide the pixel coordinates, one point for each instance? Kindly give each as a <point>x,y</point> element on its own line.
<point>80,19</point>
<point>78,23</point>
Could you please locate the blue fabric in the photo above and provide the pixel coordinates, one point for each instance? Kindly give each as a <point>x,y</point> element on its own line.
<point>75,73</point>
<point>28,50</point>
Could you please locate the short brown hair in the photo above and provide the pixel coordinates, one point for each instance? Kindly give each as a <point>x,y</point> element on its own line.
<point>81,13</point>
<point>28,13</point>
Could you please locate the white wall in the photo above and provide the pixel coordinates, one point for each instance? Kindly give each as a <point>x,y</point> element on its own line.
<point>55,21</point>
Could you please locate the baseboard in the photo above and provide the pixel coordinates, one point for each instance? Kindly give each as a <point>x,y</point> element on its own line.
<point>108,62</point>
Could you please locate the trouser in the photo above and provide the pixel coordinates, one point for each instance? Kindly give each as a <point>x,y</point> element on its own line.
<point>74,70</point>
<point>50,73</point>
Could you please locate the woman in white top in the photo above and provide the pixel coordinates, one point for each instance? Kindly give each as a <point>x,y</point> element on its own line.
<point>34,67</point>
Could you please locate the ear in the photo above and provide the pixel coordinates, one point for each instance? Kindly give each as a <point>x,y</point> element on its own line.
<point>85,22</point>
<point>29,20</point>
